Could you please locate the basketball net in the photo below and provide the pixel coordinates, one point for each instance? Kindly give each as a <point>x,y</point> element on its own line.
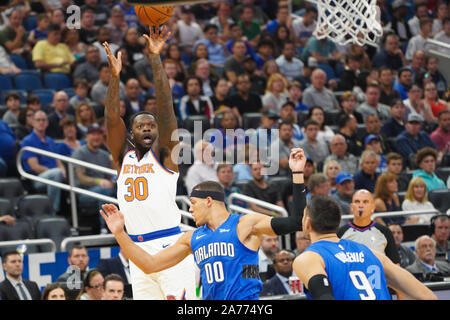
<point>348,21</point>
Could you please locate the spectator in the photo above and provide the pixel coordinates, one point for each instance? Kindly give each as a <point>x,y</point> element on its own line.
<point>269,120</point>
<point>12,101</point>
<point>388,93</point>
<point>386,198</point>
<point>363,230</point>
<point>317,114</point>
<point>279,283</point>
<point>441,135</point>
<point>221,100</point>
<point>269,246</point>
<point>415,105</point>
<point>287,114</point>
<point>316,149</point>
<point>78,261</point>
<point>317,94</point>
<point>133,102</point>
<point>14,287</point>
<point>259,15</point>
<point>6,64</point>
<point>70,142</point>
<point>442,11</point>
<point>117,25</point>
<point>92,286</point>
<point>89,70</point>
<point>57,17</point>
<point>52,55</point>
<point>345,187</point>
<point>265,51</point>
<point>245,101</point>
<point>203,168</point>
<point>217,51</point>
<point>407,256</point>
<point>250,27</point>
<point>40,32</point>
<point>88,30</point>
<point>42,166</point>
<point>295,90</point>
<point>286,143</point>
<point>119,265</point>
<point>416,200</point>
<point>413,138</point>
<point>431,100</point>
<point>367,176</point>
<point>33,102</point>
<point>72,41</point>
<point>232,67</point>
<point>436,76</point>
<point>426,160</point>
<point>348,104</point>
<point>426,263</point>
<point>349,77</point>
<point>321,51</point>
<point>305,26</point>
<point>372,104</point>
<point>373,126</point>
<point>318,184</point>
<point>187,30</point>
<point>394,164</point>
<point>444,34</point>
<point>414,22</point>
<point>391,56</point>
<point>13,36</point>
<point>441,231</point>
<point>258,81</point>
<point>405,81</point>
<point>260,189</point>
<point>398,23</point>
<point>225,178</point>
<point>61,110</point>
<point>101,12</point>
<point>283,17</point>
<point>7,149</point>
<point>331,168</point>
<point>290,66</point>
<point>141,70</point>
<point>227,137</point>
<point>338,148</point>
<point>54,291</point>
<point>25,123</point>
<point>348,128</point>
<point>236,34</point>
<point>130,16</point>
<point>301,242</point>
<point>209,78</point>
<point>100,88</point>
<point>114,287</point>
<point>223,20</point>
<point>395,125</point>
<point>373,143</point>
<point>81,88</point>
<point>269,68</point>
<point>276,92</point>
<point>194,103</point>
<point>132,45</point>
<point>418,42</point>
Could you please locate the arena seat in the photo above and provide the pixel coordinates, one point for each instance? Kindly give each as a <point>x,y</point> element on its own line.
<point>251,120</point>
<point>19,61</point>
<point>57,81</point>
<point>189,122</point>
<point>440,199</point>
<point>6,207</point>
<point>28,82</point>
<point>11,189</point>
<point>35,206</point>
<point>443,173</point>
<point>302,115</point>
<point>6,82</point>
<point>331,117</point>
<point>55,228</point>
<point>22,94</point>
<point>329,71</point>
<point>412,231</point>
<point>45,95</point>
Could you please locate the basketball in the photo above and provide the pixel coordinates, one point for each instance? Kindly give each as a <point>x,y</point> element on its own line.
<point>153,15</point>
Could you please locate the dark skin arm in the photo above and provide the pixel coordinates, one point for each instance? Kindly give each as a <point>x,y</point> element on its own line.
<point>165,115</point>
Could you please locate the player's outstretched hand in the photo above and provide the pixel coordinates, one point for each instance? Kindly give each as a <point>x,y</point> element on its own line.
<point>297,159</point>
<point>113,218</point>
<point>114,63</point>
<point>157,39</point>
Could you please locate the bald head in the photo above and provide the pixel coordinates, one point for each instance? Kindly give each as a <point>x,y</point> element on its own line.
<point>362,206</point>
<point>318,79</point>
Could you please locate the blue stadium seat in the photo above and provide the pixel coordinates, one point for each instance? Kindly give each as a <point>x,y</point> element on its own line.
<point>70,92</point>
<point>45,95</point>
<point>6,83</point>
<point>19,61</point>
<point>30,23</point>
<point>328,70</point>
<point>28,82</point>
<point>57,81</point>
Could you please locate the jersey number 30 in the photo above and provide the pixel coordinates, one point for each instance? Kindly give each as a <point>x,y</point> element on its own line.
<point>136,189</point>
<point>360,281</point>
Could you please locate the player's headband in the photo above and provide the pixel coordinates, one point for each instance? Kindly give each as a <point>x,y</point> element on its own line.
<point>215,195</point>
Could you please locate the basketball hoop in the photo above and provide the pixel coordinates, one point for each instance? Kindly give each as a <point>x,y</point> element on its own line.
<point>348,21</point>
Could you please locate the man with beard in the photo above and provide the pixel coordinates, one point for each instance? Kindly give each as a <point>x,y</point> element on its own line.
<point>441,136</point>
<point>148,174</point>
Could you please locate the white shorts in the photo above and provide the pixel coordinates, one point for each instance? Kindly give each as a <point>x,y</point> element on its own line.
<point>177,282</point>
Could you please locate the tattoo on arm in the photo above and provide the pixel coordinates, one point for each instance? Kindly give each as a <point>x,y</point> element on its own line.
<point>112,103</point>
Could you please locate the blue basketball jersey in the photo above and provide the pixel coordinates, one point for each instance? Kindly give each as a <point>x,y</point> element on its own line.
<point>229,270</point>
<point>354,272</point>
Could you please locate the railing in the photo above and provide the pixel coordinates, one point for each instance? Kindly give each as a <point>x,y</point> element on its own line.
<point>395,214</point>
<point>71,180</point>
<point>29,242</point>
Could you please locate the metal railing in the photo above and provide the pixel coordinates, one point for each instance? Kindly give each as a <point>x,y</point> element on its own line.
<point>43,241</point>
<point>395,214</point>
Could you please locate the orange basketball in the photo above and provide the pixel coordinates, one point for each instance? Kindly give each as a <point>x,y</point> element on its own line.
<point>153,15</point>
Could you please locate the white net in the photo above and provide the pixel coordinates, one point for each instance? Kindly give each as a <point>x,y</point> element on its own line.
<point>345,21</point>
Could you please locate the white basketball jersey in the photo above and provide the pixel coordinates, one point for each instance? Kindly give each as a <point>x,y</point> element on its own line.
<point>146,194</point>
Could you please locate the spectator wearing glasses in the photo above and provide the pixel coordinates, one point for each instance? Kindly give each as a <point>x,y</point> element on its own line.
<point>279,283</point>
<point>62,109</point>
<point>93,286</point>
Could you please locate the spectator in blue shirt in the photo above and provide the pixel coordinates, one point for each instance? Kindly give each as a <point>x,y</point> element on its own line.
<point>7,148</point>
<point>413,138</point>
<point>395,125</point>
<point>366,177</point>
<point>217,50</point>
<point>405,80</point>
<point>43,166</point>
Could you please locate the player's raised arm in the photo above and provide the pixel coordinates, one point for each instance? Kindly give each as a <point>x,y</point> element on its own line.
<point>165,116</point>
<point>115,126</point>
<point>164,259</point>
<point>284,225</point>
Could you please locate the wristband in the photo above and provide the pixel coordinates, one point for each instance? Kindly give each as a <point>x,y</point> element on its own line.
<point>297,172</point>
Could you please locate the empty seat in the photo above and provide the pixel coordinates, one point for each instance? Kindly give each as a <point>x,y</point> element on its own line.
<point>28,82</point>
<point>70,92</point>
<point>440,199</point>
<point>35,206</point>
<point>251,120</point>
<point>302,115</point>
<point>57,81</point>
<point>412,231</point>
<point>6,207</point>
<point>6,83</point>
<point>190,122</point>
<point>19,61</point>
<point>45,95</point>
<point>55,228</point>
<point>11,189</point>
<point>329,71</point>
<point>331,117</point>
<point>443,173</point>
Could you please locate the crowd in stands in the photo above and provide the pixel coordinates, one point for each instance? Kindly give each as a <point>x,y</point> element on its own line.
<point>368,118</point>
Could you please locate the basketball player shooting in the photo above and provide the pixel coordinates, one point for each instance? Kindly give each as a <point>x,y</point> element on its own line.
<point>147,177</point>
<point>225,246</point>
